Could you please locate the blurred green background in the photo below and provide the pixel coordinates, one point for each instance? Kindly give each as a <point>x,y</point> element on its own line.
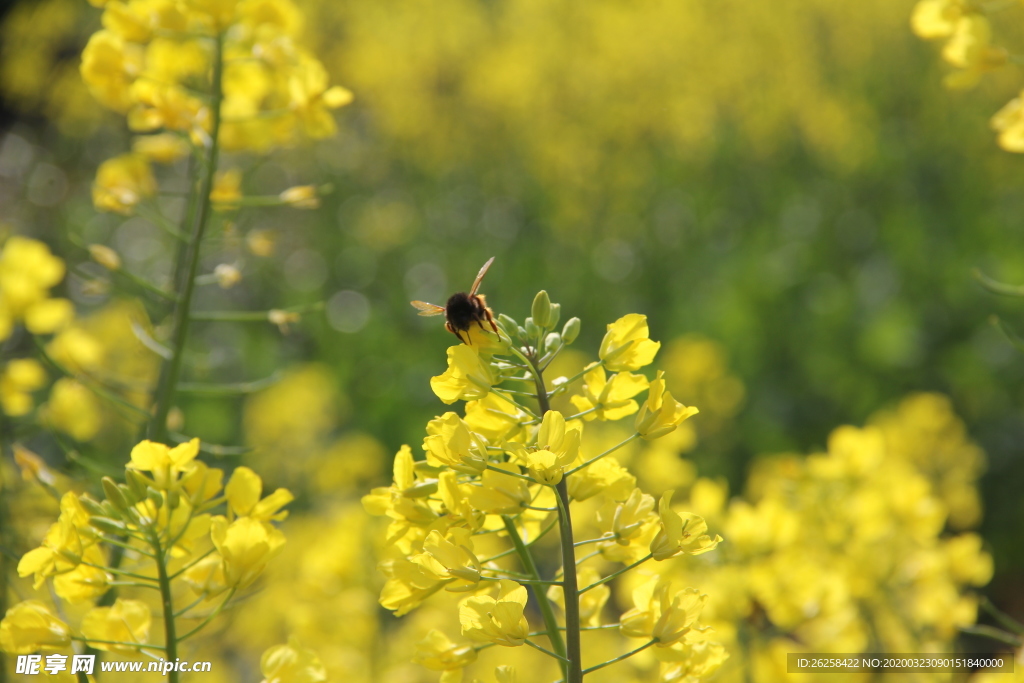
<point>788,179</point>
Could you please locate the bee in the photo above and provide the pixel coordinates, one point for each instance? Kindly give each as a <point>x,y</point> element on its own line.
<point>462,309</point>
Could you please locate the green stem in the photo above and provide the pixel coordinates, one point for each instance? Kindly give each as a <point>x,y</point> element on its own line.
<point>993,633</point>
<point>570,585</point>
<point>1002,617</point>
<point>170,371</point>
<point>598,457</point>
<point>620,657</point>
<point>616,574</point>
<point>211,616</point>
<point>546,651</point>
<point>167,606</point>
<point>546,610</point>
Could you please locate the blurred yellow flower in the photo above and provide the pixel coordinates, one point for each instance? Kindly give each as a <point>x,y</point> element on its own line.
<point>301,197</point>
<point>1009,122</point>
<point>291,663</point>
<point>27,271</point>
<point>496,620</point>
<point>126,622</point>
<point>109,67</point>
<point>18,379</point>
<point>122,182</point>
<point>105,256</point>
<point>439,653</point>
<point>30,626</point>
<point>84,583</point>
<point>62,547</point>
<point>627,344</point>
<point>971,50</point>
<point>227,190</point>
<point>73,409</point>
<point>937,18</point>
<point>164,148</point>
<point>468,376</point>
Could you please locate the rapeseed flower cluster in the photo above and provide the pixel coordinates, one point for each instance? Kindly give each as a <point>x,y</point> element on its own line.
<point>169,548</point>
<point>862,548</point>
<point>494,481</point>
<point>966,28</point>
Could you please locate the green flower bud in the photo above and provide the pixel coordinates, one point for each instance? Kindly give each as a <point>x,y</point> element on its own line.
<point>532,329</point>
<point>115,495</point>
<point>541,309</point>
<point>91,506</point>
<point>571,330</point>
<point>107,525</point>
<point>155,496</point>
<point>556,313</point>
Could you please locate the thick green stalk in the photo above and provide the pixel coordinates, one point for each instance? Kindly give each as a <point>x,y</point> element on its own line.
<point>170,371</point>
<point>570,583</point>
<point>167,607</point>
<point>547,612</point>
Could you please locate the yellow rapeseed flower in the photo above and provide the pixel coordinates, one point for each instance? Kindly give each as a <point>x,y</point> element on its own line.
<point>661,413</point>
<point>450,557</point>
<point>126,622</point>
<point>291,663</point>
<point>468,376</point>
<point>610,399</point>
<point>30,626</point>
<point>496,620</point>
<point>18,379</point>
<point>557,447</point>
<point>243,493</point>
<point>627,344</point>
<point>439,653</point>
<point>662,614</point>
<point>680,533</point>
<point>122,182</point>
<point>164,463</point>
<point>246,545</point>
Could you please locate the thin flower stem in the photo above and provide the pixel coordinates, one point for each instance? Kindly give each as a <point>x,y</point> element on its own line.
<point>532,582</point>
<point>210,617</point>
<point>132,584</point>
<point>546,610</point>
<point>565,385</point>
<point>120,572</point>
<point>141,646</point>
<point>513,550</point>
<point>191,564</point>
<point>587,557</point>
<point>170,371</point>
<point>573,669</point>
<point>185,610</point>
<point>619,658</point>
<point>1002,617</point>
<point>512,474</point>
<point>540,509</point>
<point>126,546</point>
<point>607,452</point>
<point>167,606</point>
<point>595,540</point>
<point>994,634</point>
<point>546,651</point>
<point>618,573</point>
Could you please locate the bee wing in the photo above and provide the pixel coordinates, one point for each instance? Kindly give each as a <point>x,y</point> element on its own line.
<point>480,276</point>
<point>427,309</point>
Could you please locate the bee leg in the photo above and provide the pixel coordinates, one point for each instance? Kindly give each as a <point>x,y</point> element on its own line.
<point>490,319</point>
<point>451,328</point>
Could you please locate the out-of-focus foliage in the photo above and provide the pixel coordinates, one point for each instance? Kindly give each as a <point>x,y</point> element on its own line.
<point>786,189</point>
